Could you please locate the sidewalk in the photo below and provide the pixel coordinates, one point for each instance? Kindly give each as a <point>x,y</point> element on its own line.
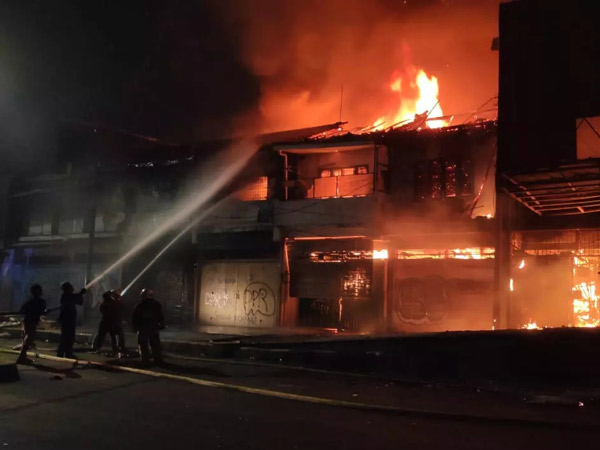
<point>202,341</point>
<point>198,338</point>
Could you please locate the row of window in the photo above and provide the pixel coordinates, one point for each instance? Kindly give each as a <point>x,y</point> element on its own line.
<point>443,178</point>
<point>344,171</point>
<point>435,179</point>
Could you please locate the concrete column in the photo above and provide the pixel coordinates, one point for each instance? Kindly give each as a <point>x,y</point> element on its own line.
<point>288,316</point>
<point>389,306</point>
<point>502,275</point>
<point>379,292</point>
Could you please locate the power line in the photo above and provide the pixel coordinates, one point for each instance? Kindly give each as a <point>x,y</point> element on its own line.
<point>480,108</point>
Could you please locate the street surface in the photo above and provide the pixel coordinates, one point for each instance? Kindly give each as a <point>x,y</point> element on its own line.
<point>57,407</point>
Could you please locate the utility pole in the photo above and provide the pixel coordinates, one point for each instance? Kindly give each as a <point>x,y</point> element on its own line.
<point>341,101</point>
<point>89,276</point>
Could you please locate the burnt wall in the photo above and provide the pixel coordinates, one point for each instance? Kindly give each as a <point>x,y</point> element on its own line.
<point>468,151</point>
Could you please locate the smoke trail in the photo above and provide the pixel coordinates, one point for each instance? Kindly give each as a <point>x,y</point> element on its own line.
<point>241,153</point>
<point>196,221</point>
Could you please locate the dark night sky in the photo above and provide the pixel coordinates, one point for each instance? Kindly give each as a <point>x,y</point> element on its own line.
<point>154,67</point>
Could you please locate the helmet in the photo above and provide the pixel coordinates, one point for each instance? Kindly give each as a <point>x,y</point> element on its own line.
<point>147,293</point>
<point>36,290</point>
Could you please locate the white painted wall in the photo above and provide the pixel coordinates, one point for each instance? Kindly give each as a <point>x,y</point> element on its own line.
<point>240,293</point>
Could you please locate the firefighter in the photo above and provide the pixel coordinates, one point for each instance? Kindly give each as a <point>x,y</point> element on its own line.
<point>108,309</point>
<point>68,318</point>
<point>32,310</point>
<point>147,321</point>
<point>118,321</point>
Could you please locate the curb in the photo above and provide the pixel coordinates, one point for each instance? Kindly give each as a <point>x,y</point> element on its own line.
<point>320,359</point>
<point>423,413</point>
<point>210,350</point>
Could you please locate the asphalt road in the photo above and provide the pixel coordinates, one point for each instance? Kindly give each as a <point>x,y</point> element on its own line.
<point>57,408</point>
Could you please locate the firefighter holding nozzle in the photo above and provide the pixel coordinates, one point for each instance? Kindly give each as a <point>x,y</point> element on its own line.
<point>147,322</point>
<point>68,318</point>
<point>111,323</point>
<point>32,311</point>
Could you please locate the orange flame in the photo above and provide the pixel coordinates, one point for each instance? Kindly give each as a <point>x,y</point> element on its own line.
<point>586,301</point>
<point>426,103</point>
<point>531,325</point>
<point>457,253</point>
<point>585,305</point>
<point>380,254</point>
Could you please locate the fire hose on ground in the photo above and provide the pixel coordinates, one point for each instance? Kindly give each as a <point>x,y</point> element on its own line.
<point>18,313</point>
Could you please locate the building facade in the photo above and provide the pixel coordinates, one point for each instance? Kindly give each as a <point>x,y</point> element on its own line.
<point>367,232</point>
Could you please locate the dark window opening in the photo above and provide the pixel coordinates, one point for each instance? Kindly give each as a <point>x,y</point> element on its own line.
<point>437,173</point>
<point>450,178</point>
<point>421,181</point>
<point>443,178</point>
<point>466,178</point>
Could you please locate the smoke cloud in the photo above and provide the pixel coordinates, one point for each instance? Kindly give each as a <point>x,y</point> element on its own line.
<point>303,52</point>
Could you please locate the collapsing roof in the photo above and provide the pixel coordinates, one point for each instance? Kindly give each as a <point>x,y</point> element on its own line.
<point>568,189</point>
<point>337,137</point>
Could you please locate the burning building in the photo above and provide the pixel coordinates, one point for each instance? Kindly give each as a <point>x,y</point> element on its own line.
<point>362,230</point>
<point>390,230</point>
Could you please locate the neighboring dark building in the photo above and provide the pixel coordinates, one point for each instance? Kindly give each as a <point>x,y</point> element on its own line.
<point>548,253</point>
<point>71,220</point>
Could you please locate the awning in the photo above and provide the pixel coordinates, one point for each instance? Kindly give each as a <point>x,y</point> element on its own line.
<point>334,147</point>
<point>567,189</point>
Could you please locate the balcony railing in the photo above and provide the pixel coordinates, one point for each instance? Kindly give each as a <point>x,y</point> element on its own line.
<point>333,187</point>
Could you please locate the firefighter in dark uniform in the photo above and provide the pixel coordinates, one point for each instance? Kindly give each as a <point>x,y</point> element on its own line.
<point>32,310</point>
<point>118,322</point>
<point>147,321</point>
<point>108,309</point>
<point>68,318</point>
